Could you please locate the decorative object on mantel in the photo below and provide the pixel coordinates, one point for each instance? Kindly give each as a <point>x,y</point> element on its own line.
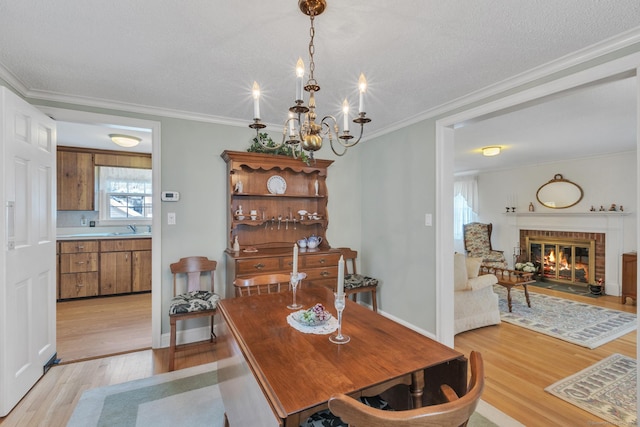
<point>531,208</point>
<point>301,132</point>
<point>559,193</point>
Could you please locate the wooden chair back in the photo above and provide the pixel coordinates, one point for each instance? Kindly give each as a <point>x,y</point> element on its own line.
<point>349,256</point>
<point>263,284</point>
<point>193,267</point>
<point>455,412</point>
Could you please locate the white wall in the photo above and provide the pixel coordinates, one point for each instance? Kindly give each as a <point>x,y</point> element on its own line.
<point>604,180</point>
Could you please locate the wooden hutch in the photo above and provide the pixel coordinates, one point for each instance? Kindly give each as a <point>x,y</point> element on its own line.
<point>277,188</point>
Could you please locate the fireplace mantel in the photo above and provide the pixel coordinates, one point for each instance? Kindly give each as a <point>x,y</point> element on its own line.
<point>609,223</point>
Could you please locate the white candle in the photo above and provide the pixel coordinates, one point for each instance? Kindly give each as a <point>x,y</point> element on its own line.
<point>295,258</point>
<point>341,276</point>
<point>345,113</point>
<point>256,100</point>
<point>362,85</point>
<point>299,76</point>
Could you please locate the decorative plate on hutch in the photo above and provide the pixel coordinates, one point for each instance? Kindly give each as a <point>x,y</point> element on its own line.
<point>276,184</point>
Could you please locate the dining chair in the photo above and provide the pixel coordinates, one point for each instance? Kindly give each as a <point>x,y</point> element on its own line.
<point>477,244</point>
<point>454,412</point>
<point>195,301</point>
<point>355,283</point>
<point>264,284</point>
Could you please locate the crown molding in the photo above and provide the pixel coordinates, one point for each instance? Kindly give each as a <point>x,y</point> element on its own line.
<point>592,52</point>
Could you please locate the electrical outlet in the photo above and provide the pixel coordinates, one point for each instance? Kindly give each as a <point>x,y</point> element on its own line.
<point>428,221</point>
<point>171,218</point>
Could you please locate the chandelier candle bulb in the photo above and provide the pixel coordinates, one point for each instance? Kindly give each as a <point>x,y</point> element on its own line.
<point>256,100</point>
<point>345,111</point>
<point>362,84</point>
<point>295,259</point>
<point>341,275</point>
<point>292,129</point>
<point>299,77</point>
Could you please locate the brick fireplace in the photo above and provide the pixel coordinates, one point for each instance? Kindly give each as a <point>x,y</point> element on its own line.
<point>605,228</point>
<point>565,256</point>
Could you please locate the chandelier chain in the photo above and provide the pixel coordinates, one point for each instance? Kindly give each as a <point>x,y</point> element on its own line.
<point>312,49</point>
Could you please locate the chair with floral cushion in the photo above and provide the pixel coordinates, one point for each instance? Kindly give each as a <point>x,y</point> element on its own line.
<point>194,302</point>
<point>477,243</point>
<point>355,283</point>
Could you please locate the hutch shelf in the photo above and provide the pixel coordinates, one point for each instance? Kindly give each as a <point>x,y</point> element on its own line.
<point>267,198</point>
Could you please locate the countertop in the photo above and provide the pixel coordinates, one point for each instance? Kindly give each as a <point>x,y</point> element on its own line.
<point>99,233</point>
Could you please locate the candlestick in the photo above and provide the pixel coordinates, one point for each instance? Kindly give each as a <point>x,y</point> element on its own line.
<point>299,76</point>
<point>256,100</point>
<point>362,85</point>
<point>345,112</point>
<point>295,258</point>
<point>341,276</point>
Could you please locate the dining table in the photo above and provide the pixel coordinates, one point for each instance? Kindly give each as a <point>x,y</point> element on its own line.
<point>274,374</point>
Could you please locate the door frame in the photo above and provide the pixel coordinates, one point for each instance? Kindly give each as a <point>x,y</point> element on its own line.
<point>444,156</point>
<point>76,116</point>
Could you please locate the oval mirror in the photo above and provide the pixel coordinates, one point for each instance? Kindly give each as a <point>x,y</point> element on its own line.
<point>559,193</point>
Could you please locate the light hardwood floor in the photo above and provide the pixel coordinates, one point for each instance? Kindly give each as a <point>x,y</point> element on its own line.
<point>518,365</point>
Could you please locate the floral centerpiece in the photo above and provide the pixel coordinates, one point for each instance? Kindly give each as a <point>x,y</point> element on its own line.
<point>527,267</point>
<point>316,315</point>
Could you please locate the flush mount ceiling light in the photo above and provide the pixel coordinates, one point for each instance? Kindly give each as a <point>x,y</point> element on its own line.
<point>491,151</point>
<point>301,132</point>
<point>125,140</point>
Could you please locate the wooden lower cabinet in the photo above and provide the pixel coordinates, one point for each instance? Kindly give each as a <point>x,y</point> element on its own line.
<point>104,267</point>
<point>629,276</point>
<point>321,266</point>
<point>141,271</point>
<point>115,273</point>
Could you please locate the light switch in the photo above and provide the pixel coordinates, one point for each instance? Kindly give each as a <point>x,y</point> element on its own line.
<point>171,218</point>
<point>428,220</point>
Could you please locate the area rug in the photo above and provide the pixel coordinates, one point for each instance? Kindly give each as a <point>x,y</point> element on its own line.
<point>575,322</point>
<point>606,389</point>
<point>186,397</point>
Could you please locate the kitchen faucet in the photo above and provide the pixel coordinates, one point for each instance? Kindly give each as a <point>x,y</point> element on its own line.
<point>133,228</point>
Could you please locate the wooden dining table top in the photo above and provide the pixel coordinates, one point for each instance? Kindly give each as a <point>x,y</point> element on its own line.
<point>297,370</point>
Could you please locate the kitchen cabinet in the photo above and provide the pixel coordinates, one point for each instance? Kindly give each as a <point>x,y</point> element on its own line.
<point>117,272</point>
<point>277,188</point>
<point>141,271</point>
<point>88,268</point>
<point>629,276</point>
<point>78,269</point>
<point>75,186</point>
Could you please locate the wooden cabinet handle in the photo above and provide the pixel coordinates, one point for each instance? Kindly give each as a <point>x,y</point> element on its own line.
<point>259,266</point>
<point>324,273</point>
<point>290,263</point>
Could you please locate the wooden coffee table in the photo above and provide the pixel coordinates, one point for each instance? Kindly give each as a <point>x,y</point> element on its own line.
<point>509,279</point>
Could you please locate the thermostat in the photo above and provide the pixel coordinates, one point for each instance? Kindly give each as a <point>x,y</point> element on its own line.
<point>170,196</point>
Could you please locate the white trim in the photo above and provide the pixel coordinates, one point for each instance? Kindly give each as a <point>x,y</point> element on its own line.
<point>156,243</point>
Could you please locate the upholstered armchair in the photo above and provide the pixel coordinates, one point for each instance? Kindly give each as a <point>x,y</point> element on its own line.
<point>477,243</point>
<point>475,303</point>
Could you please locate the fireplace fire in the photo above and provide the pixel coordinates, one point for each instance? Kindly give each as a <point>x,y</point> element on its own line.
<point>563,260</point>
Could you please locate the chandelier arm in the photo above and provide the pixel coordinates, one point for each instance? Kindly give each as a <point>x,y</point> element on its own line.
<point>352,144</point>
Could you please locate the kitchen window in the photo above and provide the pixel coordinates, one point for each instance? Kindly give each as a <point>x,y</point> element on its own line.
<point>124,194</point>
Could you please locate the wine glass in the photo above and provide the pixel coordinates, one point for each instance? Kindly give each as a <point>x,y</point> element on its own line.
<point>295,280</point>
<point>339,304</point>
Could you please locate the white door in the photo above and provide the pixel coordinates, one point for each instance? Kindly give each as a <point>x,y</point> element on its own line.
<point>28,247</point>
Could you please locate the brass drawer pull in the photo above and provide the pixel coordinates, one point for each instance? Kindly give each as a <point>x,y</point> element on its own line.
<point>324,273</point>
<point>79,248</point>
<point>79,262</point>
<point>322,261</point>
<point>259,266</point>
<point>79,285</point>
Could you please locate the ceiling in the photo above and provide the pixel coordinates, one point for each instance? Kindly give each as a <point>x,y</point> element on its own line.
<point>199,59</point>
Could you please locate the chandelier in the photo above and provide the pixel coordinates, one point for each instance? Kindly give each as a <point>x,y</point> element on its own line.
<point>301,131</point>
